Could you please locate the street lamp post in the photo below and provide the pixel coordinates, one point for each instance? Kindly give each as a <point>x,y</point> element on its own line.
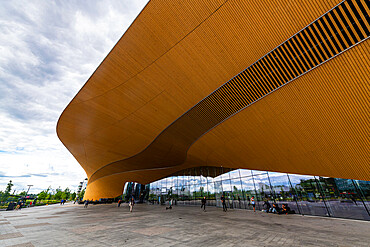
<point>29,186</point>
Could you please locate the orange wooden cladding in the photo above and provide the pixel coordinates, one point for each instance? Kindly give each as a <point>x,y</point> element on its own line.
<point>174,55</point>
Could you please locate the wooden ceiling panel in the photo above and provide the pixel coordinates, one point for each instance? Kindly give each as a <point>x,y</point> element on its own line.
<point>180,70</point>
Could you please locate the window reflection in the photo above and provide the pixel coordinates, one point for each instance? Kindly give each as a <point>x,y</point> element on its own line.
<point>304,194</point>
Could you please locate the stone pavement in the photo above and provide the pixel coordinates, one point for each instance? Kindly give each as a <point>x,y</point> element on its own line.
<point>153,225</point>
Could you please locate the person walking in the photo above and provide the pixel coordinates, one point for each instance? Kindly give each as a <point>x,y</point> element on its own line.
<point>170,201</point>
<point>119,202</point>
<point>86,203</point>
<point>204,201</point>
<point>253,204</point>
<point>131,204</point>
<point>224,208</point>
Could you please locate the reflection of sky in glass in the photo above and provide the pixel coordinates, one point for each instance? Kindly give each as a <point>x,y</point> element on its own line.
<point>193,183</point>
<point>256,172</point>
<point>296,179</point>
<point>234,174</point>
<point>225,176</point>
<point>245,173</point>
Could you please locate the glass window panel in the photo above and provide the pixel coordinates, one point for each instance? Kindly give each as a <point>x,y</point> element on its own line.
<point>218,178</point>
<point>210,180</point>
<point>203,179</point>
<point>245,173</point>
<point>257,172</point>
<point>180,181</point>
<point>225,176</point>
<point>193,189</point>
<point>211,174</point>
<point>226,186</point>
<point>310,200</point>
<point>234,174</point>
<point>364,189</point>
<point>196,180</point>
<point>283,192</point>
<point>218,192</point>
<point>263,187</point>
<point>343,198</point>
<point>280,186</point>
<point>248,191</point>
<point>237,193</point>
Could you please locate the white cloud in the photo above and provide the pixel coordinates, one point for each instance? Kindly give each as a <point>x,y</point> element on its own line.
<point>48,51</point>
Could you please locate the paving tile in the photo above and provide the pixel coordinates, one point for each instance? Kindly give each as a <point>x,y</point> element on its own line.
<point>150,231</point>
<point>47,217</point>
<point>10,235</point>
<point>152,225</point>
<point>29,244</point>
<point>15,216</point>
<point>31,225</point>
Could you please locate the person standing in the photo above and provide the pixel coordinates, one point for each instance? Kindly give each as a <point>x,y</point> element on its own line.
<point>131,203</point>
<point>119,202</point>
<point>204,201</point>
<point>224,208</point>
<point>86,203</point>
<point>253,204</point>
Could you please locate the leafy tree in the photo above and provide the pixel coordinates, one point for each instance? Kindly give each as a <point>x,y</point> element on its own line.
<point>6,193</point>
<point>73,196</point>
<point>42,195</point>
<point>81,194</point>
<point>23,193</point>
<point>58,195</point>
<point>66,193</point>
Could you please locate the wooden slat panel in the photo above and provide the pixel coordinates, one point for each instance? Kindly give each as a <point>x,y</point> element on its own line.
<point>173,56</point>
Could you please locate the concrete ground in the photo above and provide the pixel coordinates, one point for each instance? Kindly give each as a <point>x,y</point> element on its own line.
<point>153,225</point>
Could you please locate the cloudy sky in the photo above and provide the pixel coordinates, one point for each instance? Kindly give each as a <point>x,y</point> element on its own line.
<point>48,51</point>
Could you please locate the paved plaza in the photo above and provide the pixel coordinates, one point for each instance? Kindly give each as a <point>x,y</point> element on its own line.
<point>153,225</point>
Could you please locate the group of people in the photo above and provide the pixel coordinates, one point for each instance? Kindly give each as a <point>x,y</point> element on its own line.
<point>285,209</point>
<point>275,209</point>
<point>224,207</point>
<point>131,203</point>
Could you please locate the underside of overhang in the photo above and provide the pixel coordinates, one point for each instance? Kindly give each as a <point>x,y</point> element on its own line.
<point>227,84</point>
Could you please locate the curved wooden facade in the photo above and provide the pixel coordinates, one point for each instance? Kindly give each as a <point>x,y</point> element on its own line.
<point>238,84</point>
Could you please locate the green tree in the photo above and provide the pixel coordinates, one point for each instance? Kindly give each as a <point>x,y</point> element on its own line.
<point>81,194</point>
<point>58,195</point>
<point>73,196</point>
<point>6,193</point>
<point>66,194</point>
<point>23,193</point>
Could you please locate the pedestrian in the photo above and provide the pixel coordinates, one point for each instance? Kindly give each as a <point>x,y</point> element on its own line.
<point>159,199</point>
<point>204,200</point>
<point>275,208</point>
<point>267,206</point>
<point>224,208</point>
<point>86,203</point>
<point>170,204</point>
<point>119,202</point>
<point>253,204</point>
<point>131,203</point>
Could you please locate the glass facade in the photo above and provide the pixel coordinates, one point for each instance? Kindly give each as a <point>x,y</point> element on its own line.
<point>307,195</point>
